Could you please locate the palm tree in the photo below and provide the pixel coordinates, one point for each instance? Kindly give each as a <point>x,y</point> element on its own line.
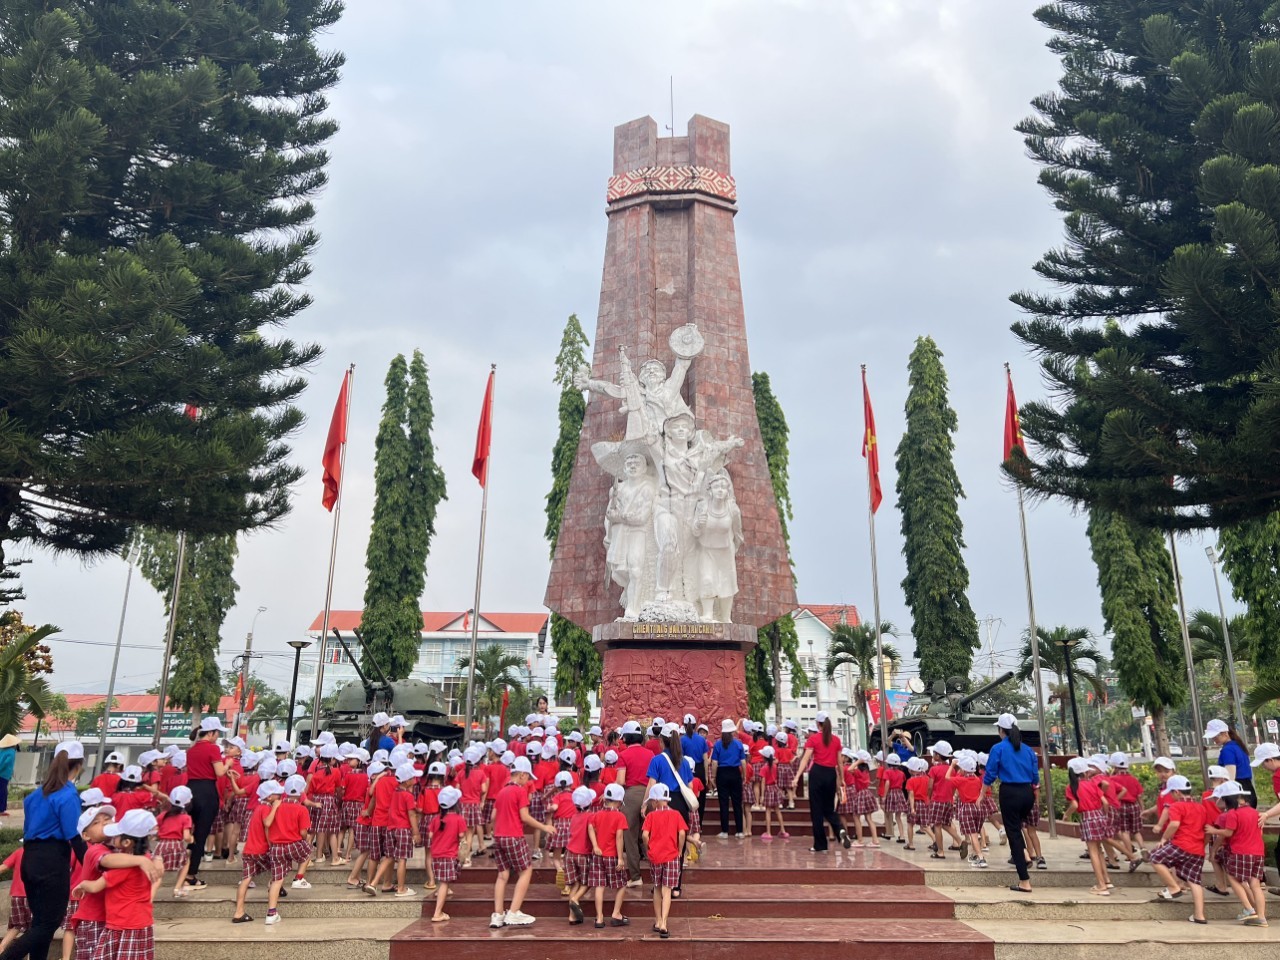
<point>1263,693</point>
<point>855,647</point>
<point>1070,654</point>
<point>494,668</point>
<point>1208,642</point>
<point>21,690</point>
<point>270,708</point>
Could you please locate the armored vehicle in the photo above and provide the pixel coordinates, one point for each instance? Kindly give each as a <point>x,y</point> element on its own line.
<point>946,712</point>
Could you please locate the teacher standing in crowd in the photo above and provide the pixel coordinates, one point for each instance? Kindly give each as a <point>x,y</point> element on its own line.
<point>49,836</point>
<point>1233,755</point>
<point>1018,769</point>
<point>633,774</point>
<point>822,750</point>
<point>727,757</point>
<point>694,746</point>
<point>204,766</point>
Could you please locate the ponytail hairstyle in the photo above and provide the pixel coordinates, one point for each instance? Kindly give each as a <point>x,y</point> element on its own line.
<point>1073,781</point>
<point>690,729</point>
<point>825,727</point>
<point>674,750</point>
<point>1232,802</point>
<point>61,772</point>
<point>1014,736</point>
<point>769,761</point>
<point>175,810</point>
<point>1235,738</point>
<point>726,737</point>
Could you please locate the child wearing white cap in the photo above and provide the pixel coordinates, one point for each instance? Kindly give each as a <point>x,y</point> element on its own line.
<point>969,812</point>
<point>323,781</point>
<point>1179,859</point>
<point>474,784</point>
<point>397,837</point>
<point>560,811</point>
<point>497,773</point>
<point>577,856</point>
<point>511,849</point>
<point>772,795</point>
<point>129,933</point>
<point>428,804</point>
<point>608,869</point>
<point>447,829</point>
<point>288,845</point>
<point>663,834</point>
<point>174,836</point>
<point>256,857</point>
<point>1087,797</point>
<point>1237,833</point>
<point>366,837</point>
<point>109,778</point>
<point>84,930</point>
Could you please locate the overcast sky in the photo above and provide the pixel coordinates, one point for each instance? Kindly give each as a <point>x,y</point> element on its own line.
<point>883,195</point>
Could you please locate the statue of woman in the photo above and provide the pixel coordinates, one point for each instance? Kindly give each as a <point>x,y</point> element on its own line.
<point>629,523</point>
<point>717,525</point>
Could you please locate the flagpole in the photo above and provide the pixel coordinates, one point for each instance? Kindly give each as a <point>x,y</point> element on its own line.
<point>875,598</point>
<point>1045,774</point>
<point>333,557</point>
<point>1187,652</point>
<point>168,639</point>
<point>475,615</point>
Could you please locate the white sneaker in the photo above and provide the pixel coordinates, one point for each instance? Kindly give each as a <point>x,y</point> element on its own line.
<point>302,883</point>
<point>272,918</point>
<point>981,863</point>
<point>517,918</point>
<point>536,855</point>
<point>724,836</point>
<point>495,921</point>
<point>208,858</point>
<point>406,892</point>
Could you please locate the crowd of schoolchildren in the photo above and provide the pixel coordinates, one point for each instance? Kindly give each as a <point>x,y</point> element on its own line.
<point>547,794</point>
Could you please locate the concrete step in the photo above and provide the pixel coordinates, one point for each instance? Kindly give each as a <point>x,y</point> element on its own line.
<point>320,902</point>
<point>1001,875</point>
<point>697,938</point>
<point>1048,903</point>
<point>1173,939</point>
<point>219,939</point>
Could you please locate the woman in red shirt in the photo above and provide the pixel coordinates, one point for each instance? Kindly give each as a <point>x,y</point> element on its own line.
<point>204,766</point>
<point>822,750</point>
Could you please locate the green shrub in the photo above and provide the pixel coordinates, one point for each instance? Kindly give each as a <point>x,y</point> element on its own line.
<point>10,840</point>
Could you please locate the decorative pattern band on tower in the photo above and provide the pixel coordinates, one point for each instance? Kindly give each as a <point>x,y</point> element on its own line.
<point>684,178</point>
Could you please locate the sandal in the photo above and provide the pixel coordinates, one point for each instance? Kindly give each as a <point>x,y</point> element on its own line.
<point>664,934</point>
<point>243,918</point>
<point>1221,893</point>
<point>1197,920</point>
<point>1017,889</point>
<point>936,856</point>
<point>440,919</point>
<point>1167,896</point>
<point>599,924</point>
<point>1100,891</point>
<point>619,921</point>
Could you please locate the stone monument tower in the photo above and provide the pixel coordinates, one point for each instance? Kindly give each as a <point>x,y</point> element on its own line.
<point>671,551</point>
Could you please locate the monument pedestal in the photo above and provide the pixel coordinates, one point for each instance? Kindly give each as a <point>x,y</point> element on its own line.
<point>670,669</point>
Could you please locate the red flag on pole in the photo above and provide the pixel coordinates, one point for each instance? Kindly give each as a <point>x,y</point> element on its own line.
<point>253,698</point>
<point>1012,425</point>
<point>480,462</point>
<point>332,459</point>
<point>506,700</point>
<point>870,446</point>
<point>239,687</point>
<point>466,621</point>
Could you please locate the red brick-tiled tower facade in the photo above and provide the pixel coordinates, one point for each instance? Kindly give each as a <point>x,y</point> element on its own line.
<point>671,259</point>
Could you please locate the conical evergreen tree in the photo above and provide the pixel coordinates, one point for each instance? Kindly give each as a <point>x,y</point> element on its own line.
<point>408,486</point>
<point>776,640</point>
<point>578,668</point>
<point>157,163</point>
<point>937,581</point>
<point>1139,601</point>
<point>1159,147</point>
<point>1251,561</point>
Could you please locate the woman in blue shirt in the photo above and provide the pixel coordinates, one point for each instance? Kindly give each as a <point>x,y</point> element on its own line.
<point>727,757</point>
<point>1233,755</point>
<point>1018,769</point>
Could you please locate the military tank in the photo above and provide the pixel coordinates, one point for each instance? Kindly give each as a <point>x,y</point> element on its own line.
<point>422,704</point>
<point>947,712</point>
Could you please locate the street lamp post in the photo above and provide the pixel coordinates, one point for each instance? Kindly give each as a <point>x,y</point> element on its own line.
<point>298,647</point>
<point>244,672</point>
<point>1066,646</point>
<point>1226,642</point>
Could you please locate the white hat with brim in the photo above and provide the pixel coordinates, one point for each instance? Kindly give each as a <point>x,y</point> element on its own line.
<point>728,726</point>
<point>1164,762</point>
<point>135,823</point>
<point>659,791</point>
<point>1264,752</point>
<point>74,749</point>
<point>1177,783</point>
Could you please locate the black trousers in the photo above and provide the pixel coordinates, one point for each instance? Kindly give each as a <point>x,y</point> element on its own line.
<point>204,808</point>
<point>46,871</point>
<point>679,806</point>
<point>729,787</point>
<point>700,771</point>
<point>1252,794</point>
<point>1015,806</point>
<point>822,804</point>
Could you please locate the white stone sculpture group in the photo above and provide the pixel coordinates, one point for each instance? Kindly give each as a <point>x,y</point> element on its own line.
<point>672,526</point>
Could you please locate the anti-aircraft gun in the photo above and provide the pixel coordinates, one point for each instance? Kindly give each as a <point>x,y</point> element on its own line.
<point>423,705</point>
<point>947,712</point>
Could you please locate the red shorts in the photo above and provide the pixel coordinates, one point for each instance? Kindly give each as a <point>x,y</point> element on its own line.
<point>864,801</point>
<point>604,872</point>
<point>1244,866</point>
<point>1185,866</point>
<point>1129,819</point>
<point>70,912</point>
<point>1032,819</point>
<point>665,874</point>
<point>970,816</point>
<point>326,818</point>
<point>575,868</point>
<point>473,815</point>
<point>254,864</point>
<point>772,796</point>
<point>367,842</point>
<point>126,945</point>
<point>511,853</point>
<point>239,813</point>
<point>172,852</point>
<point>895,801</point>
<point>445,869</point>
<point>560,840</point>
<point>19,913</point>
<point>88,932</point>
<point>284,856</point>
<point>397,842</point>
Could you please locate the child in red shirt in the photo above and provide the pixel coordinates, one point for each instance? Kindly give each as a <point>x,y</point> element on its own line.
<point>446,834</point>
<point>578,850</point>
<point>560,815</point>
<point>365,836</point>
<point>355,791</point>
<point>771,795</point>
<point>663,832</point>
<point>968,791</point>
<point>129,892</point>
<point>1086,796</point>
<point>255,857</point>
<point>401,824</point>
<point>288,845</point>
<point>428,807</point>
<point>174,837</point>
<point>475,791</point>
<point>917,798</point>
<point>109,778</point>
<point>1180,857</point>
<point>19,909</point>
<point>323,781</point>
<point>1128,810</point>
<point>511,849</point>
<point>129,793</point>
<point>1239,830</point>
<point>608,869</point>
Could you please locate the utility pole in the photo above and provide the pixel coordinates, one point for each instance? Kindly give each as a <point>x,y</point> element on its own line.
<point>244,673</point>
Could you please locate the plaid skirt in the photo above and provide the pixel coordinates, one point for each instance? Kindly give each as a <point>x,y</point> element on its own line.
<point>88,933</point>
<point>970,816</point>
<point>445,869</point>
<point>864,801</point>
<point>473,815</point>
<point>989,807</point>
<point>1095,825</point>
<point>19,913</point>
<point>845,807</point>
<point>575,868</point>
<point>254,864</point>
<point>695,821</point>
<point>665,874</point>
<point>173,853</point>
<point>1185,866</point>
<point>786,775</point>
<point>327,817</point>
<point>1032,819</point>
<point>70,912</point>
<point>895,801</point>
<point>396,842</point>
<point>538,805</point>
<point>284,856</point>
<point>560,840</point>
<point>487,811</point>
<point>604,872</point>
<point>511,853</point>
<point>424,832</point>
<point>772,796</point>
<point>351,813</point>
<point>126,945</point>
<point>1129,819</point>
<point>366,840</point>
<point>941,814</point>
<point>219,821</point>
<point>239,813</point>
<point>1244,866</point>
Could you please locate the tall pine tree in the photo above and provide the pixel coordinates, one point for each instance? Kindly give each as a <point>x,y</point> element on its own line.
<point>207,594</point>
<point>408,486</point>
<point>1251,561</point>
<point>778,639</point>
<point>578,668</point>
<point>1135,576</point>
<point>937,581</point>
<point>157,164</point>
<point>1159,147</point>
